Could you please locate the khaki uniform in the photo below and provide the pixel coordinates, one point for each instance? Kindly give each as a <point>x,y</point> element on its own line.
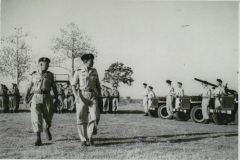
<point>3,99</point>
<point>88,81</point>
<point>151,95</point>
<point>169,100</point>
<point>218,91</point>
<point>145,99</point>
<point>205,102</point>
<point>69,100</point>
<point>61,97</point>
<point>115,100</point>
<point>179,93</point>
<point>42,101</point>
<point>105,95</point>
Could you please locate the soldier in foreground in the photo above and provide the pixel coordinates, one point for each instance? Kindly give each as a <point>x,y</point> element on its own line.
<point>105,96</point>
<point>179,93</point>
<point>86,99</point>
<point>4,98</point>
<point>61,97</point>
<point>115,99</point>
<point>219,90</point>
<point>151,95</point>
<point>69,100</point>
<point>169,99</point>
<point>41,82</point>
<point>206,95</point>
<point>145,99</point>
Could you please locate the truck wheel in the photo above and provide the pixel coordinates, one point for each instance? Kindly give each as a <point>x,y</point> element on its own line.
<point>162,112</point>
<point>220,119</point>
<point>236,117</point>
<point>182,116</point>
<point>152,113</point>
<point>196,114</point>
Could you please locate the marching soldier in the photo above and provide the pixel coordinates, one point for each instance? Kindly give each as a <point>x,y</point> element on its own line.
<point>145,99</point>
<point>105,95</point>
<point>41,82</point>
<point>178,94</point>
<point>61,97</point>
<point>5,98</point>
<point>169,99</point>
<point>206,94</point>
<point>151,95</point>
<point>218,91</point>
<point>69,100</point>
<point>86,99</point>
<point>115,100</point>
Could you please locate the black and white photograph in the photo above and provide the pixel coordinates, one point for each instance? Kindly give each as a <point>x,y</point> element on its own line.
<point>119,79</point>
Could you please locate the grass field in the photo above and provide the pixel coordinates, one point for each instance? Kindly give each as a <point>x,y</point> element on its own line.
<point>127,135</point>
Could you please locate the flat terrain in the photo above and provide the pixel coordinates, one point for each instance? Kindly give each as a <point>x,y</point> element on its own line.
<point>126,135</point>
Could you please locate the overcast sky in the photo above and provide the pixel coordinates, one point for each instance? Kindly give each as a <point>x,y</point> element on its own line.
<point>179,41</point>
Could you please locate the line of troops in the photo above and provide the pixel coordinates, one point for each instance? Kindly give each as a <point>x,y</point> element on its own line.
<point>66,101</point>
<point>9,98</point>
<point>171,94</point>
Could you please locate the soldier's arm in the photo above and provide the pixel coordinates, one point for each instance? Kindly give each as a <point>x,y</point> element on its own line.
<point>74,84</point>
<point>98,86</point>
<point>29,88</point>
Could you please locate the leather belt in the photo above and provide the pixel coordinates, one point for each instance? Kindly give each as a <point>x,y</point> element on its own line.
<point>41,92</point>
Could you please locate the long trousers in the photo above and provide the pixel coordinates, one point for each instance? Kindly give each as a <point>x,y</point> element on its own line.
<point>87,113</point>
<point>205,103</point>
<point>115,104</point>
<point>105,104</point>
<point>41,108</point>
<point>169,101</point>
<point>145,104</point>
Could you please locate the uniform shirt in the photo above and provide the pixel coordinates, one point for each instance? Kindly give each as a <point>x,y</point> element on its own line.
<point>69,92</point>
<point>145,92</point>
<point>151,94</point>
<point>206,92</point>
<point>87,80</point>
<point>105,93</point>
<point>115,93</point>
<point>41,83</point>
<point>170,91</point>
<point>180,92</point>
<point>219,90</point>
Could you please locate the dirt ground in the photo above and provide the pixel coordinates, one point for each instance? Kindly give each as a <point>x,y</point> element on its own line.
<point>127,135</point>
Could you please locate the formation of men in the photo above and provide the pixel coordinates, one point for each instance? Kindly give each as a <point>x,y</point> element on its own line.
<point>171,95</point>
<point>9,98</point>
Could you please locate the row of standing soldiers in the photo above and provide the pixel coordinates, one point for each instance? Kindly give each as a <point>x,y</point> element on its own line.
<point>66,100</point>
<point>206,94</point>
<point>9,98</point>
<point>110,99</point>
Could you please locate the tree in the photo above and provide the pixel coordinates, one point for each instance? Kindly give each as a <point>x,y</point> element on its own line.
<point>72,43</point>
<point>15,55</point>
<point>117,73</point>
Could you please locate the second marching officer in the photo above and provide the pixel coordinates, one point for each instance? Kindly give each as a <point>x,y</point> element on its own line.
<point>87,99</point>
<point>115,100</point>
<point>41,82</point>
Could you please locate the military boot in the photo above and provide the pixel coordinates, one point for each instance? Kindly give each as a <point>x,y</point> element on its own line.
<point>48,134</point>
<point>83,143</point>
<point>91,142</point>
<point>38,141</point>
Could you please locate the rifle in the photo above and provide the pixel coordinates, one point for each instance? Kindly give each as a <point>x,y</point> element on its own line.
<point>205,81</point>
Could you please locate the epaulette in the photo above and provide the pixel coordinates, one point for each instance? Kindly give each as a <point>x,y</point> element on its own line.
<point>79,69</point>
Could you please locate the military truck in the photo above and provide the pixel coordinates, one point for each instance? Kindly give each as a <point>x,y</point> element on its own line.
<point>190,107</point>
<point>228,110</point>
